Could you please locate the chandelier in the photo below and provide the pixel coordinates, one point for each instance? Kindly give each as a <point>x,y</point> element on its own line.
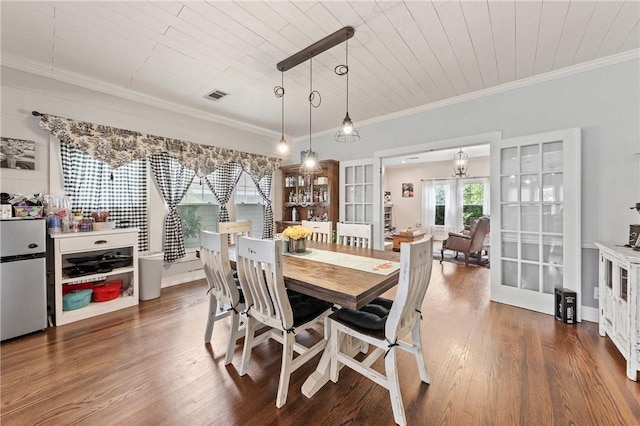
<point>460,164</point>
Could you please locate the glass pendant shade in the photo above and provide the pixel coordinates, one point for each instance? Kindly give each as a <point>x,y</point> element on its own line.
<point>283,145</point>
<point>346,133</point>
<point>460,164</point>
<point>310,164</point>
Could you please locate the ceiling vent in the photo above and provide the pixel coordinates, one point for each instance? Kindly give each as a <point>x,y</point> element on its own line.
<point>216,95</point>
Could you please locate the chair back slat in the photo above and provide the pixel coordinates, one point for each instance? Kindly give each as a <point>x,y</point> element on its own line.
<point>214,255</point>
<point>260,273</point>
<point>236,229</point>
<point>355,234</point>
<point>321,231</point>
<point>416,261</point>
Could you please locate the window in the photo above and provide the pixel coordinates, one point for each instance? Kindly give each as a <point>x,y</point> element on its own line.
<point>92,185</point>
<point>249,204</point>
<point>440,191</point>
<point>198,210</point>
<point>246,191</point>
<point>472,201</point>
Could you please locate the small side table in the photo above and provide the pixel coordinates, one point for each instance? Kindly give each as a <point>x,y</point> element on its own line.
<point>405,237</point>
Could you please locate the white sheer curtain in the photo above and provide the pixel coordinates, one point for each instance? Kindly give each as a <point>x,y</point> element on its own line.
<point>486,205</point>
<point>428,206</point>
<point>453,211</point>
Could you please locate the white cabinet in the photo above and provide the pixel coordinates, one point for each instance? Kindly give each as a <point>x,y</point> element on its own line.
<point>66,247</point>
<point>619,304</point>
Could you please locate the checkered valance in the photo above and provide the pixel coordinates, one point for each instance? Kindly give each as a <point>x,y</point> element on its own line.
<point>118,147</point>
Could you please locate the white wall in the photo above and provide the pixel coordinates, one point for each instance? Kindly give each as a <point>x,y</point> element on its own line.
<point>604,102</point>
<point>407,212</point>
<point>23,92</point>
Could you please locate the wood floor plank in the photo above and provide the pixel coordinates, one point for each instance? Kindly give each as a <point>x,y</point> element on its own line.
<point>490,364</point>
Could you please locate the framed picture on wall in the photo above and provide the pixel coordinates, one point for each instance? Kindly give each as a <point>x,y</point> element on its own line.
<point>407,190</point>
<point>17,154</point>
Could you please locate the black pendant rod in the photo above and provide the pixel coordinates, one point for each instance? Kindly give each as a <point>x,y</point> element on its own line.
<point>316,48</point>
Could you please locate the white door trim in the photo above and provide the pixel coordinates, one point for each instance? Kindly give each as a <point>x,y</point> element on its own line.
<point>379,156</point>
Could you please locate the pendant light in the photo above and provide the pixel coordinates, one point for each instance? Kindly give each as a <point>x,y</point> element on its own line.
<point>310,163</point>
<point>346,133</point>
<point>283,145</point>
<point>460,164</point>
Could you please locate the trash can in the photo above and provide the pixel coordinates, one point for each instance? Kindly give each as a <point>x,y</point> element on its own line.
<point>150,264</point>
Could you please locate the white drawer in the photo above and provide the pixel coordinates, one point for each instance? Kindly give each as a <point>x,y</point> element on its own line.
<point>97,242</point>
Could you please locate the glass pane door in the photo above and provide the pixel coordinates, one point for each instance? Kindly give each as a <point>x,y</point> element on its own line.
<point>358,194</point>
<point>536,180</point>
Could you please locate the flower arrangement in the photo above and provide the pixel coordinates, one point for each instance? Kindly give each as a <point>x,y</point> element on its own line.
<point>100,215</point>
<point>296,232</point>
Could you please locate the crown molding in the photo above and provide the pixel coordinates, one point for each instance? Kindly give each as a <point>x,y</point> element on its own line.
<point>529,81</point>
<point>108,89</point>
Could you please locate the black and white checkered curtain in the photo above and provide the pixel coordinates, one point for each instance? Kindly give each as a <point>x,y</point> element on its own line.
<point>173,180</point>
<point>92,185</point>
<point>264,189</point>
<point>221,182</point>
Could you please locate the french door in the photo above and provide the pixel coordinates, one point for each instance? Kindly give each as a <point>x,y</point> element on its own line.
<point>535,219</point>
<point>361,194</point>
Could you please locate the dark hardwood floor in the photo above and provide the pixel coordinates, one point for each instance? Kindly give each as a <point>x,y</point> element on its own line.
<point>490,364</point>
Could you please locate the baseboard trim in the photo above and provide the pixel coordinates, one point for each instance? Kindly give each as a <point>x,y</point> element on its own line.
<point>590,314</point>
<point>183,278</point>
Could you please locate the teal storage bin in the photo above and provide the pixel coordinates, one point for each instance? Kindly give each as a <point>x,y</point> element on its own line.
<point>76,299</point>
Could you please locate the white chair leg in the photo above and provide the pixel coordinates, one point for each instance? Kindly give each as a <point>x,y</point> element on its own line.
<point>391,370</point>
<point>422,367</point>
<point>285,369</point>
<point>233,336</point>
<point>334,345</point>
<point>248,345</point>
<point>213,306</point>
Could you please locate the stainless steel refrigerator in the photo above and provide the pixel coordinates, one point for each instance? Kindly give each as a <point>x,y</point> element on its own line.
<point>23,290</point>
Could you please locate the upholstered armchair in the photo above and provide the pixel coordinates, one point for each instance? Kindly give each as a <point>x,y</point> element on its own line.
<point>467,242</point>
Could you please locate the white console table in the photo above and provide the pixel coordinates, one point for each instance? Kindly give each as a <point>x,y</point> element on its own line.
<point>619,301</point>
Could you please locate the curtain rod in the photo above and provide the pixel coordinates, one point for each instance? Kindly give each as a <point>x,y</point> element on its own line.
<point>450,178</point>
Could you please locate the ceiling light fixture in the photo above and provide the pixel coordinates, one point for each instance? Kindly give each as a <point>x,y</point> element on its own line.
<point>283,145</point>
<point>346,133</point>
<point>460,164</point>
<point>310,163</point>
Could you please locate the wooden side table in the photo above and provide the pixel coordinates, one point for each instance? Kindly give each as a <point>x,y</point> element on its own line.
<point>405,237</point>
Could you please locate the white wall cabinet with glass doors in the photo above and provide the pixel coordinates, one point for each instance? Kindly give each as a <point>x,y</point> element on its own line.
<point>619,302</point>
<point>535,219</point>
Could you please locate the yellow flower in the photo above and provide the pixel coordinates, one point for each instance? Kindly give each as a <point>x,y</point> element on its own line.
<point>296,232</point>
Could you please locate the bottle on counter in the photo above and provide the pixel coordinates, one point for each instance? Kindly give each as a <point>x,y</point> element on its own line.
<point>294,214</point>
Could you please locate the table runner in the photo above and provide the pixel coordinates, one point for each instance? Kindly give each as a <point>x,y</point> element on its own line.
<point>361,263</point>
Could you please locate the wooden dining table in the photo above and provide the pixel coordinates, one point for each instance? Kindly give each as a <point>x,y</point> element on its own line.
<point>347,287</point>
<point>340,285</point>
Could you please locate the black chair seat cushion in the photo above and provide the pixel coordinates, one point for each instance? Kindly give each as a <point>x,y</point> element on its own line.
<point>305,308</point>
<point>239,290</point>
<point>371,317</point>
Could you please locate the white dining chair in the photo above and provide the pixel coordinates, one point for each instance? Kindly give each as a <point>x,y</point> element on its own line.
<point>382,324</point>
<point>321,231</point>
<point>225,298</point>
<point>236,229</point>
<point>269,303</point>
<point>355,234</point>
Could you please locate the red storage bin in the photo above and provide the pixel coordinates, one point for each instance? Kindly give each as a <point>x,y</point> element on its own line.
<point>107,291</point>
<point>68,288</point>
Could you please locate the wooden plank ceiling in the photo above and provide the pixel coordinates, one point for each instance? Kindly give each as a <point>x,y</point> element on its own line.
<point>403,55</point>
